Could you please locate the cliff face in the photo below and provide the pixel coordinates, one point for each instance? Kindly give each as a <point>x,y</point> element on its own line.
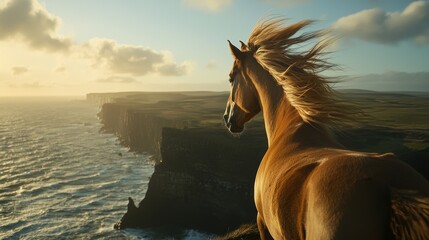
<point>140,131</point>
<point>205,181</point>
<point>103,98</point>
<point>99,99</point>
<point>138,118</point>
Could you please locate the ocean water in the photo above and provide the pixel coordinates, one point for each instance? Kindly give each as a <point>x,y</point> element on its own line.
<point>60,178</point>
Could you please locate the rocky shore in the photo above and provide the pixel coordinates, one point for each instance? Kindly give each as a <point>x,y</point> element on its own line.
<point>204,176</point>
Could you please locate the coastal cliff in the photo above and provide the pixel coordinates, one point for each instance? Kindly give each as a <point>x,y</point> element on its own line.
<point>204,179</point>
<point>137,129</point>
<point>138,118</point>
<point>204,176</point>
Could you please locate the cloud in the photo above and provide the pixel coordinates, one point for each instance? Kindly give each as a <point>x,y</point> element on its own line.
<point>208,5</point>
<point>390,81</point>
<point>117,79</point>
<point>27,21</point>
<point>133,60</point>
<point>19,70</point>
<point>173,69</point>
<point>376,25</point>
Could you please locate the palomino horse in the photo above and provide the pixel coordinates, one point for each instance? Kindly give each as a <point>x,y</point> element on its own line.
<point>307,185</point>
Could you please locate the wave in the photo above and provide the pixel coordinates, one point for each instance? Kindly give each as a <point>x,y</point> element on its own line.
<point>60,177</point>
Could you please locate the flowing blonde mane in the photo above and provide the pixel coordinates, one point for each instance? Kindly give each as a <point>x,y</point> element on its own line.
<point>275,49</point>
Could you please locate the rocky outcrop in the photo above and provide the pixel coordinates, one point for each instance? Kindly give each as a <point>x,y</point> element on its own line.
<point>205,181</point>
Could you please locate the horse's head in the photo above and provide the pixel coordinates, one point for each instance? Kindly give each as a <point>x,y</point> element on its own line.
<point>243,102</point>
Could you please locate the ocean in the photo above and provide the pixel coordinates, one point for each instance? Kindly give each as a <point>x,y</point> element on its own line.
<point>60,178</point>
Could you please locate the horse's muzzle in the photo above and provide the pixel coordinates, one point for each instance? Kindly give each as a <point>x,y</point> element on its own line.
<point>231,124</point>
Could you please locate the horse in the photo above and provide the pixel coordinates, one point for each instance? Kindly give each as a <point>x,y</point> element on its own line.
<point>308,186</point>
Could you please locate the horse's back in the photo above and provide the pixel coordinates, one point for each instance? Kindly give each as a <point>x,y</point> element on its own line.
<point>350,195</point>
<point>345,167</point>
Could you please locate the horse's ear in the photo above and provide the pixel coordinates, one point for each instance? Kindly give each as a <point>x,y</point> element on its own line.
<point>235,51</point>
<point>243,46</point>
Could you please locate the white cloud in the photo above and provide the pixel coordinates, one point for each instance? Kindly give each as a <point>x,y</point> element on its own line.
<point>208,5</point>
<point>376,25</point>
<point>19,70</point>
<point>173,69</point>
<point>27,21</point>
<point>132,60</point>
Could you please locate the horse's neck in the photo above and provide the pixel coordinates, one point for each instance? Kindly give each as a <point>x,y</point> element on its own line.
<point>282,121</point>
<point>279,116</point>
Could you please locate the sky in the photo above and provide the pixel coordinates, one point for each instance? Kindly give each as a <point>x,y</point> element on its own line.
<point>73,47</point>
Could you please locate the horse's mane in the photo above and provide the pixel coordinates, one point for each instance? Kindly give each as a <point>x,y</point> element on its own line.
<point>275,49</point>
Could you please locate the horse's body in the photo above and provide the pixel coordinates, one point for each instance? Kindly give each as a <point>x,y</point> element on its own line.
<point>329,193</point>
<point>307,185</point>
